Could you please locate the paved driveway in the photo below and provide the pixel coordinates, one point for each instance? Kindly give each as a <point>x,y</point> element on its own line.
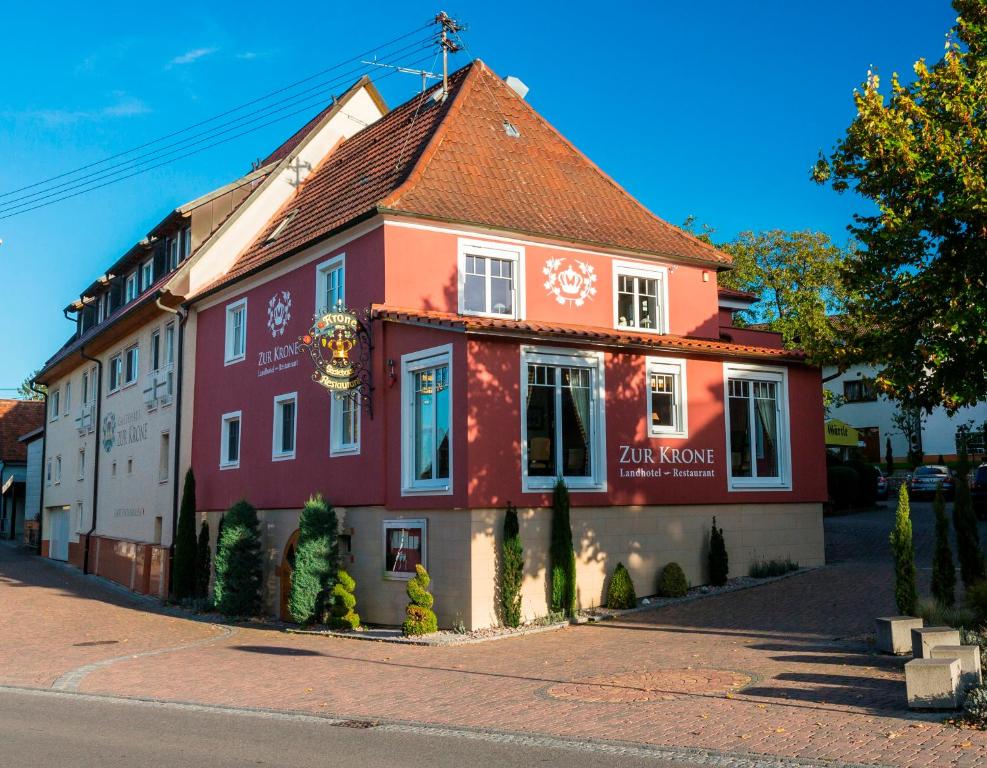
<point>781,669</point>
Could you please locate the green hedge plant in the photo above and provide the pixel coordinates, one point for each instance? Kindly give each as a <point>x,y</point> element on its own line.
<point>672,581</point>
<point>620,592</point>
<point>971,555</point>
<point>903,551</point>
<point>719,562</point>
<point>943,569</point>
<point>511,569</point>
<point>316,562</point>
<point>420,616</point>
<point>561,556</point>
<point>203,562</point>
<point>238,563</point>
<point>183,577</point>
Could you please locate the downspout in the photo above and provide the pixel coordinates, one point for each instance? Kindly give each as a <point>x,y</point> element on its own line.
<point>44,451</point>
<point>182,316</point>
<point>98,424</point>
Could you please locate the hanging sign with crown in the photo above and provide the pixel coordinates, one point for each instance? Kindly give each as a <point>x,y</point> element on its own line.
<point>339,344</point>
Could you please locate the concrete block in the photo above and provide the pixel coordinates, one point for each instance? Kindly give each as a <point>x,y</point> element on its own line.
<point>933,683</point>
<point>894,634</point>
<point>926,638</point>
<point>969,656</point>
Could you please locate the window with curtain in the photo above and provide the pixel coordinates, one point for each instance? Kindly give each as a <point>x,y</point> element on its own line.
<point>236,331</point>
<point>344,425</point>
<point>490,277</point>
<point>640,297</point>
<point>426,421</point>
<point>331,284</point>
<point>757,428</point>
<point>667,402</point>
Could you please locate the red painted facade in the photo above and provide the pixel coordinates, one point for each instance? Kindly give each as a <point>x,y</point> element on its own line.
<point>417,268</point>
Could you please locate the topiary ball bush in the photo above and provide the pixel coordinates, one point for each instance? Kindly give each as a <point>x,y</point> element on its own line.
<point>420,618</point>
<point>620,592</point>
<point>975,707</point>
<point>342,615</point>
<point>672,581</point>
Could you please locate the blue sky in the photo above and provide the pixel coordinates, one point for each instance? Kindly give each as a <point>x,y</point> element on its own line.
<point>715,109</point>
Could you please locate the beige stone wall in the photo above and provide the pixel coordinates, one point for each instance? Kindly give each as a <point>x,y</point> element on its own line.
<point>463,552</point>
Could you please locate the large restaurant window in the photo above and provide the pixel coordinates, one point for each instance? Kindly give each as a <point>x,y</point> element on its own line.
<point>757,432</point>
<point>344,425</point>
<point>404,547</point>
<point>667,408</point>
<point>640,297</point>
<point>562,423</point>
<point>236,331</point>
<point>425,421</point>
<point>489,277</point>
<point>229,438</point>
<point>330,284</point>
<point>285,420</point>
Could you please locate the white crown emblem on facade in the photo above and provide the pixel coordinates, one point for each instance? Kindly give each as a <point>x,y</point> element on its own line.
<point>279,313</point>
<point>569,283</point>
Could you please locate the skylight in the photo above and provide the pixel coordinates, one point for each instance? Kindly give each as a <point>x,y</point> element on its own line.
<point>281,225</point>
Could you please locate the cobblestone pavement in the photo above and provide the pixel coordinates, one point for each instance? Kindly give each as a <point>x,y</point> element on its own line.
<point>781,669</point>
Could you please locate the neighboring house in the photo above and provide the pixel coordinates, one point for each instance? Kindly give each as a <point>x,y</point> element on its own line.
<point>17,417</point>
<point>33,485</point>
<point>519,318</point>
<point>873,415</point>
<point>117,416</point>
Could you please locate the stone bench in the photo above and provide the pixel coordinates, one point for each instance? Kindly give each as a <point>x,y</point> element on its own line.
<point>924,639</point>
<point>969,657</point>
<point>933,683</point>
<point>894,634</point>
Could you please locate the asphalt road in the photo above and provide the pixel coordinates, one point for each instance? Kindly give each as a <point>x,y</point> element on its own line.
<point>43,729</point>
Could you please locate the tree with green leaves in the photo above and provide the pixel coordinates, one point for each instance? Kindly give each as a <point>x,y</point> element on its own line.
<point>511,569</point>
<point>316,562</point>
<point>919,282</point>
<point>799,279</point>
<point>943,569</point>
<point>968,549</point>
<point>183,576</point>
<point>562,559</point>
<point>239,568</point>
<point>203,562</point>
<point>903,551</point>
<point>28,390</point>
<point>888,456</point>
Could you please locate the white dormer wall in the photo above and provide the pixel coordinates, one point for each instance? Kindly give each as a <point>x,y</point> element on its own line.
<point>221,251</point>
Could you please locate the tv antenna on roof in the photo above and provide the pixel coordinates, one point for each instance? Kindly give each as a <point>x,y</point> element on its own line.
<point>424,73</point>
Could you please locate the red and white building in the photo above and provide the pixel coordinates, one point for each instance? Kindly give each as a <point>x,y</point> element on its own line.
<point>528,319</point>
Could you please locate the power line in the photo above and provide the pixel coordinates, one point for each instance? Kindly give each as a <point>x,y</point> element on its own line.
<point>217,116</point>
<point>195,139</point>
<point>182,157</point>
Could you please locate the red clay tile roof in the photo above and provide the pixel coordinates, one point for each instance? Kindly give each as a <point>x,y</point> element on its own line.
<point>601,335</point>
<point>730,293</point>
<point>455,161</point>
<point>18,417</point>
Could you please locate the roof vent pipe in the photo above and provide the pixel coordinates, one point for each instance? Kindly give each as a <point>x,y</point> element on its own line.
<point>516,85</point>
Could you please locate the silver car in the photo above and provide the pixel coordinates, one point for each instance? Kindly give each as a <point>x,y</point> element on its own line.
<point>925,479</point>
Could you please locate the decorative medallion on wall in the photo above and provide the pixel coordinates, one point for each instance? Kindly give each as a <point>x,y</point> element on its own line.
<point>339,343</point>
<point>279,312</point>
<point>109,431</point>
<point>570,284</point>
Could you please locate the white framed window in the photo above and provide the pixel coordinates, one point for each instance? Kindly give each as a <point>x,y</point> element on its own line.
<point>147,274</point>
<point>229,440</point>
<point>640,297</point>
<point>667,398</point>
<point>131,288</point>
<point>330,284</point>
<point>169,344</point>
<point>58,470</point>
<point>562,424</point>
<point>186,242</point>
<point>155,361</point>
<point>48,472</point>
<point>82,464</point>
<point>490,279</point>
<point>79,514</point>
<point>426,421</point>
<point>236,331</point>
<point>85,387</point>
<point>131,366</point>
<point>68,397</point>
<point>173,245</point>
<point>115,379</point>
<point>405,546</point>
<point>164,457</point>
<point>54,405</point>
<point>285,426</point>
<point>758,442</point>
<point>344,425</point>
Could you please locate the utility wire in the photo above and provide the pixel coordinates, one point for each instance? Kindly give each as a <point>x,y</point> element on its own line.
<point>194,140</point>
<point>266,96</point>
<point>189,154</point>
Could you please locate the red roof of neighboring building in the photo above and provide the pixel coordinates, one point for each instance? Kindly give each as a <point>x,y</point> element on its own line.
<point>456,161</point>
<point>597,334</point>
<point>18,417</point>
<point>730,293</point>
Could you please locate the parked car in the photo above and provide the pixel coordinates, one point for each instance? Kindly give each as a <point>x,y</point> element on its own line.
<point>882,484</point>
<point>978,491</point>
<point>924,480</point>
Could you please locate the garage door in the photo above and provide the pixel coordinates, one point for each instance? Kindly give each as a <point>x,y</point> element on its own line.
<point>58,549</point>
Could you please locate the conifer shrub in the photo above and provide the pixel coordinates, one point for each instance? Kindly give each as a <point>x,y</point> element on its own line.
<point>867,474</point>
<point>420,616</point>
<point>203,562</point>
<point>903,551</point>
<point>316,562</point>
<point>620,592</point>
<point>843,484</point>
<point>672,581</point>
<point>183,577</point>
<point>943,569</point>
<point>968,549</point>
<point>888,457</point>
<point>719,562</point>
<point>239,568</point>
<point>976,601</point>
<point>561,556</point>
<point>511,569</point>
<point>343,602</point>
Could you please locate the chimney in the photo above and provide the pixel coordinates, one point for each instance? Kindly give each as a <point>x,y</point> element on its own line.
<point>515,84</point>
